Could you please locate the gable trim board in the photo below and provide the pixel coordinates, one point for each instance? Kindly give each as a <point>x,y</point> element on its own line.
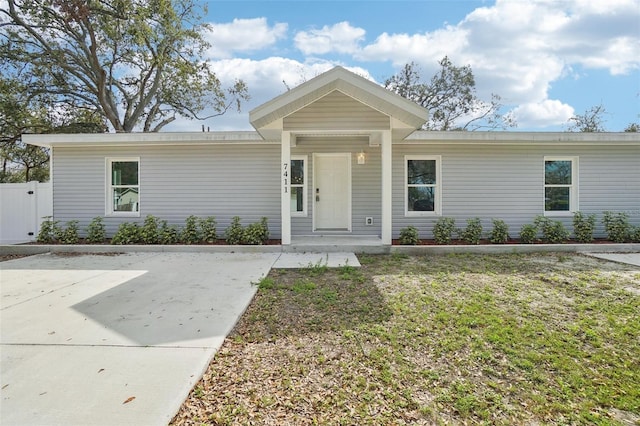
<point>488,175</point>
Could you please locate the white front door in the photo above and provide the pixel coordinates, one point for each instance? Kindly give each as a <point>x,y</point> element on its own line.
<point>332,192</point>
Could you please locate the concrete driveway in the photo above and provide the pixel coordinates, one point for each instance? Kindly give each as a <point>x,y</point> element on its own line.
<point>115,339</point>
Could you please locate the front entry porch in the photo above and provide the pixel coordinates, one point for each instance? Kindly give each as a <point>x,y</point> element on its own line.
<point>336,243</point>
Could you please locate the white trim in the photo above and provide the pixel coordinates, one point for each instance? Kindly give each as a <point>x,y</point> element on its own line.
<point>304,186</point>
<point>109,211</point>
<point>346,155</point>
<point>422,137</point>
<point>437,208</point>
<point>386,230</point>
<point>285,209</point>
<point>574,205</point>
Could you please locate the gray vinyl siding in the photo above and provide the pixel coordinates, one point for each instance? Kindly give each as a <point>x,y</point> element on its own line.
<point>175,182</point>
<point>336,111</point>
<point>366,178</point>
<point>507,182</point>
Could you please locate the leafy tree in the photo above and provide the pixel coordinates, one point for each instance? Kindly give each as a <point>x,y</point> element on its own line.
<point>632,128</point>
<point>592,120</point>
<point>20,113</point>
<point>135,62</point>
<point>450,96</point>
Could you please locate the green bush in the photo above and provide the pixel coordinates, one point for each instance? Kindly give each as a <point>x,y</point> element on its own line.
<point>190,232</point>
<point>473,232</point>
<point>48,230</point>
<point>127,233</point>
<point>616,226</point>
<point>96,232</point>
<point>208,230</point>
<point>634,234</point>
<point>149,231</point>
<point>168,234</point>
<point>528,234</point>
<point>553,231</point>
<point>583,227</point>
<point>69,234</point>
<point>500,232</point>
<point>443,230</point>
<point>234,233</point>
<point>256,233</point>
<point>409,236</point>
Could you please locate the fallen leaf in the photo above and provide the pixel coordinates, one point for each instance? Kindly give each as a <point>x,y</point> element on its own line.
<point>128,400</point>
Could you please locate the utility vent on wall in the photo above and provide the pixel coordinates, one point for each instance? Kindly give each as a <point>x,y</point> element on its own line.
<point>368,221</point>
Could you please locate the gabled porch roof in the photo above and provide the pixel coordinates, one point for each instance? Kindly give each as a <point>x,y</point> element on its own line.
<point>406,116</point>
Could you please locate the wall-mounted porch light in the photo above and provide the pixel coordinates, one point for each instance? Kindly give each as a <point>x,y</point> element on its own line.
<point>361,157</point>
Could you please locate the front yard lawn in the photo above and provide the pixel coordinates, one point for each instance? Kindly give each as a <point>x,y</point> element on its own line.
<point>455,339</point>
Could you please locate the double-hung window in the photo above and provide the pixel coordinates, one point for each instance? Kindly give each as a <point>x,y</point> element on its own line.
<point>298,185</point>
<point>560,185</point>
<point>422,185</point>
<point>123,187</point>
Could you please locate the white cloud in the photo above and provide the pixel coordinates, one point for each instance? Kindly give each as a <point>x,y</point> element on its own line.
<point>243,35</point>
<point>340,38</point>
<point>266,79</point>
<point>518,49</point>
<point>549,112</point>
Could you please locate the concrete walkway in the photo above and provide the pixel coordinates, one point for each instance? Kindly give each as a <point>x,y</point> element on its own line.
<point>628,258</point>
<point>115,339</point>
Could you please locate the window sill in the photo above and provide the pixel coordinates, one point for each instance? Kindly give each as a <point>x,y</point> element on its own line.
<point>558,214</point>
<point>422,214</point>
<point>123,214</point>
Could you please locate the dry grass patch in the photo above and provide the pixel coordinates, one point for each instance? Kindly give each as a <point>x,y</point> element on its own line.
<point>473,339</point>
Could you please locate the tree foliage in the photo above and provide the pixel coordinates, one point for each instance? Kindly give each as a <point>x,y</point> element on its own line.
<point>135,62</point>
<point>450,96</point>
<point>592,120</point>
<point>21,113</point>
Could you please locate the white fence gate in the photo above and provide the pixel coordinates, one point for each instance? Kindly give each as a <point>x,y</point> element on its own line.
<point>22,209</point>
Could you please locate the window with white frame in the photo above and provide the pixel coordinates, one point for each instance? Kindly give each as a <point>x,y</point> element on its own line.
<point>123,186</point>
<point>422,185</point>
<point>298,185</point>
<point>560,185</point>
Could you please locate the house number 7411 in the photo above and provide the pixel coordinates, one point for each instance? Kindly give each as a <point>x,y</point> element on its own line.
<point>285,176</point>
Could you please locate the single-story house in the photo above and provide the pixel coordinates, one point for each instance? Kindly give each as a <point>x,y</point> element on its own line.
<point>341,156</point>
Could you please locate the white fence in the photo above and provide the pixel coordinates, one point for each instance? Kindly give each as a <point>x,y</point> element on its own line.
<point>22,209</point>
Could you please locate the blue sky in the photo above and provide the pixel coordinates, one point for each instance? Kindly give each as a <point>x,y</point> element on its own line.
<point>547,59</point>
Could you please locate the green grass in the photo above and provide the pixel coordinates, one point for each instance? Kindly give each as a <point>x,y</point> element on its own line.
<point>510,339</point>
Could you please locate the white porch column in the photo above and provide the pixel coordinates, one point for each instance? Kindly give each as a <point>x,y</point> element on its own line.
<point>387,202</point>
<point>285,203</point>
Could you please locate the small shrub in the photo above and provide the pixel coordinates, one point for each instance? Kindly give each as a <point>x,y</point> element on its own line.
<point>583,227</point>
<point>208,230</point>
<point>553,231</point>
<point>634,234</point>
<point>256,233</point>
<point>168,234</point>
<point>473,232</point>
<point>234,233</point>
<point>96,232</point>
<point>500,232</point>
<point>149,230</point>
<point>48,230</point>
<point>616,226</point>
<point>68,235</point>
<point>443,230</point>
<point>127,233</point>
<point>409,236</point>
<point>190,232</point>
<point>528,234</point>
